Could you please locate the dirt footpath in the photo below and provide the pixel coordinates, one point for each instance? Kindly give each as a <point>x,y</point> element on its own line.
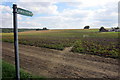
<point>61,64</point>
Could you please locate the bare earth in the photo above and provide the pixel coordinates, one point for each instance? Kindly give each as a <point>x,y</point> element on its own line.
<point>61,64</point>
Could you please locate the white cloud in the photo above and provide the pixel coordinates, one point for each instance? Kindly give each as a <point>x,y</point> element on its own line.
<point>6,20</point>
<point>7,17</point>
<point>28,24</point>
<point>5,8</point>
<point>85,12</point>
<point>39,7</point>
<point>93,3</point>
<point>49,0</point>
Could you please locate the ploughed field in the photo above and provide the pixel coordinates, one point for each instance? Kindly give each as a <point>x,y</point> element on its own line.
<point>81,41</point>
<point>65,53</point>
<point>51,63</point>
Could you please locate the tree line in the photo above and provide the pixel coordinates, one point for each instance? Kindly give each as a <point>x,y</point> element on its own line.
<point>10,30</point>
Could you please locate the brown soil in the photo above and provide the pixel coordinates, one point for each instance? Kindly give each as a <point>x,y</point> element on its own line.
<point>61,64</point>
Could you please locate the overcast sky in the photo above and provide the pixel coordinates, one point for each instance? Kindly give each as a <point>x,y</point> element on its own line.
<point>62,15</point>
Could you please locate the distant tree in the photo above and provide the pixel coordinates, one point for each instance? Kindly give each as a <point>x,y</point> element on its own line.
<point>44,28</point>
<point>117,27</point>
<point>86,27</point>
<point>102,29</point>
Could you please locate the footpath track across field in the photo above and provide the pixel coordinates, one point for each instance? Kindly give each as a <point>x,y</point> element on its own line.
<point>61,64</point>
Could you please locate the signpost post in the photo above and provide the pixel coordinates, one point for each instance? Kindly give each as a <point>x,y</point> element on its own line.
<point>16,42</point>
<point>16,47</point>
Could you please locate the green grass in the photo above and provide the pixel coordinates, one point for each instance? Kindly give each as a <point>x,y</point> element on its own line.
<point>8,72</point>
<point>93,42</point>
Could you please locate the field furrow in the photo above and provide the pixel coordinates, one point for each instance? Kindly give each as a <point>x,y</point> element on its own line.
<point>55,63</point>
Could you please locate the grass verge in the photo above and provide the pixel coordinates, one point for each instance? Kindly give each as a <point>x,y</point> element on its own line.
<point>8,72</point>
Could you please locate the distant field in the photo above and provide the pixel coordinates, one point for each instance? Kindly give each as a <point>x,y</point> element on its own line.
<point>83,41</point>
